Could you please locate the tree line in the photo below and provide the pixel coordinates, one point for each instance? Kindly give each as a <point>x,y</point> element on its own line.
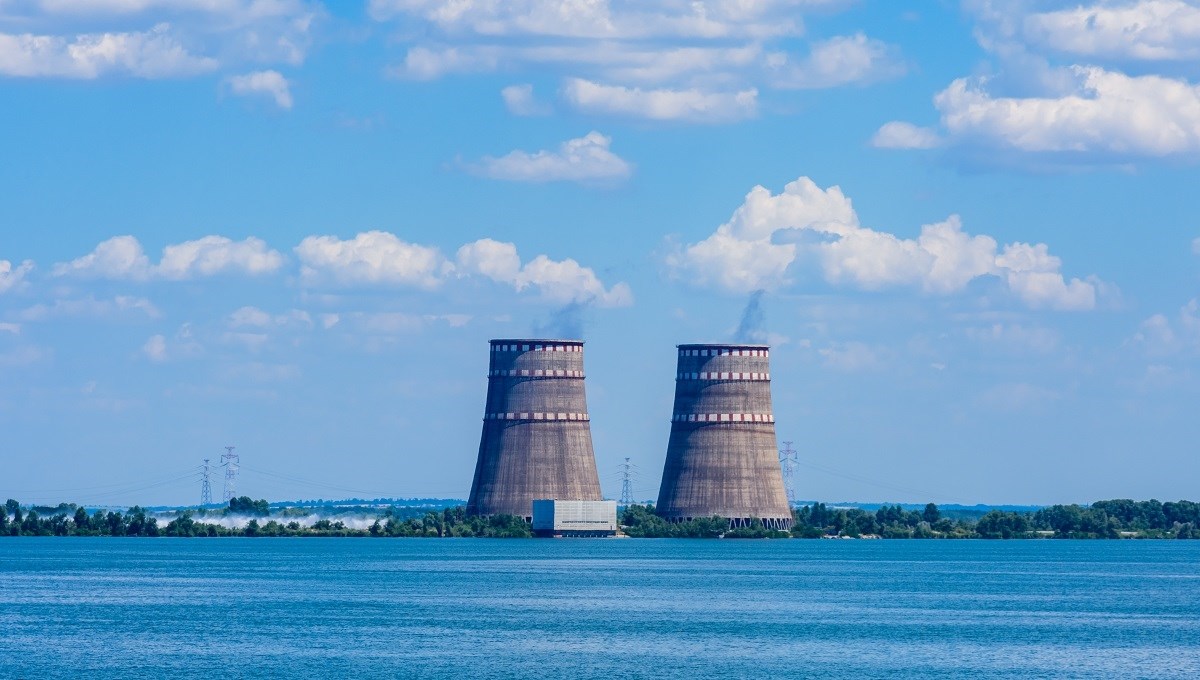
<point>1121,518</point>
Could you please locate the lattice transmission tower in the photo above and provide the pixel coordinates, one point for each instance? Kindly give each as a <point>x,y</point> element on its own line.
<point>205,488</point>
<point>626,484</point>
<point>231,462</point>
<point>787,463</point>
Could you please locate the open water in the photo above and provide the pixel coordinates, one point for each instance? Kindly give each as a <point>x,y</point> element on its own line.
<point>389,608</point>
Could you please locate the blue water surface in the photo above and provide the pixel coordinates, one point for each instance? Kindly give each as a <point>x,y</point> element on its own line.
<point>385,608</point>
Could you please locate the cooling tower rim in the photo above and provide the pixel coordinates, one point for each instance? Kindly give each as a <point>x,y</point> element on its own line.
<point>540,341</point>
<point>722,345</point>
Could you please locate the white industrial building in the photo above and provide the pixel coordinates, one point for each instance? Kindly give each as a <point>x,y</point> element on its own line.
<point>553,517</point>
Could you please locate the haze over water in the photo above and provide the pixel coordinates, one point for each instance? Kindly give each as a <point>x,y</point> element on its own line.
<point>130,608</point>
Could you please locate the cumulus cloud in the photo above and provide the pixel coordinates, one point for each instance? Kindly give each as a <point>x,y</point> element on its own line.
<point>519,101</point>
<point>769,234</point>
<point>1039,106</point>
<point>842,60</point>
<point>262,83</point>
<point>151,38</point>
<point>1107,112</point>
<point>1146,30</point>
<point>122,257</point>
<point>561,281</point>
<point>147,54</point>
<point>13,277</point>
<point>371,257</point>
<point>584,159</point>
<point>901,135</point>
<point>692,105</point>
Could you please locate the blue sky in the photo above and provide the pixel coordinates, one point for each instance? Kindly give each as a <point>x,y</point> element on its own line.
<point>293,226</point>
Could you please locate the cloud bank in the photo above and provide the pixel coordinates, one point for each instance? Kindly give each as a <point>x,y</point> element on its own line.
<point>769,235</point>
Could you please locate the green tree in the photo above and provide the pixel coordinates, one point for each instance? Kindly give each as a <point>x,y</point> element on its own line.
<point>931,513</point>
<point>81,521</point>
<point>244,505</point>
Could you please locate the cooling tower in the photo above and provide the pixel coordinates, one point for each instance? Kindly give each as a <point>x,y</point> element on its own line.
<point>537,441</point>
<point>722,458</point>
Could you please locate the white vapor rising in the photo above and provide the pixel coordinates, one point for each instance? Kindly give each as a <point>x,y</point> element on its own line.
<point>768,234</point>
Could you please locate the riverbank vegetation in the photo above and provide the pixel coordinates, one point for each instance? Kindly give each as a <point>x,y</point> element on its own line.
<point>243,516</point>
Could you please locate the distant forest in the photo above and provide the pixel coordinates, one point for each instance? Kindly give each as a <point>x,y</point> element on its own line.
<point>1121,518</point>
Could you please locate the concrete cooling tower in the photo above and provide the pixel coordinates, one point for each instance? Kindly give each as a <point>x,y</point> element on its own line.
<point>722,458</point>
<point>537,441</point>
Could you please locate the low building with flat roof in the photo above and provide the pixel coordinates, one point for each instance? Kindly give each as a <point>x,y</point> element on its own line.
<point>575,519</point>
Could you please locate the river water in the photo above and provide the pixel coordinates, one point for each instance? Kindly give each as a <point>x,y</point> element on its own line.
<point>386,608</point>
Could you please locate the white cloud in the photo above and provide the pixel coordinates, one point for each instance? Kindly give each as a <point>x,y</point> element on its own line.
<point>1107,112</point>
<point>253,317</point>
<point>1159,335</point>
<point>91,307</point>
<point>659,59</point>
<point>1196,246</point>
<point>156,53</point>
<point>601,19</point>
<point>371,257</point>
<point>263,83</point>
<point>152,38</point>
<point>14,328</point>
<point>122,257</point>
<point>1145,30</point>
<point>519,101</point>
<point>842,60</point>
<point>1040,109</point>
<point>423,63</point>
<point>560,281</point>
<point>212,255</point>
<point>693,105</point>
<point>584,159</point>
<point>901,135</point>
<point>769,234</point>
<point>159,349</point>
<point>12,277</point>
<point>155,348</point>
